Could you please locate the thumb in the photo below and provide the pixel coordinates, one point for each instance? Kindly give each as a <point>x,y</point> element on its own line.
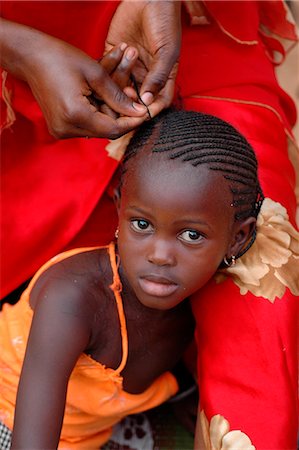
<point>162,69</point>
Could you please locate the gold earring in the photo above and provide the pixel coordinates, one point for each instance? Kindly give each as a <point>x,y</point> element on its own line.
<point>116,233</point>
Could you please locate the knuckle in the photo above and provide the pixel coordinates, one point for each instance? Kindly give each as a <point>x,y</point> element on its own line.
<point>72,115</point>
<point>58,131</point>
<point>56,128</point>
<point>97,75</point>
<point>158,81</point>
<point>61,127</point>
<point>119,97</point>
<point>68,114</point>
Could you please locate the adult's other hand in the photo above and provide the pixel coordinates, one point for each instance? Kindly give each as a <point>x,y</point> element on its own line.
<point>154,28</point>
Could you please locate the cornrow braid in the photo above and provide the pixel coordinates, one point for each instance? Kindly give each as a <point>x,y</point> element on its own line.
<point>199,138</point>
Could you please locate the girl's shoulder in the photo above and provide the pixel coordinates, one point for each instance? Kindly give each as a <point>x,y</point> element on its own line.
<point>80,276</point>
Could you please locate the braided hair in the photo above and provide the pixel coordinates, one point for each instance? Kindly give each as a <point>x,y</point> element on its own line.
<point>199,138</point>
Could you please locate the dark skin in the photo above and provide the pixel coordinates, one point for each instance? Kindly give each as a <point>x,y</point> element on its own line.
<point>68,320</point>
<point>75,310</point>
<point>62,77</point>
<point>156,34</point>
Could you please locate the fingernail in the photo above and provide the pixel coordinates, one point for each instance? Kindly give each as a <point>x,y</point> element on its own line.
<point>147,98</point>
<point>130,53</point>
<point>123,46</point>
<point>139,107</point>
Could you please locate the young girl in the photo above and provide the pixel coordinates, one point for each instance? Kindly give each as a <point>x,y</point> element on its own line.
<point>103,326</point>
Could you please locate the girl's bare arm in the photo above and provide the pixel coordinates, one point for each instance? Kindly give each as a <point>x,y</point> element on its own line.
<point>60,332</point>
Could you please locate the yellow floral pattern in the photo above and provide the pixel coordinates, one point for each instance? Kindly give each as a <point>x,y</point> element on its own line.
<point>216,435</point>
<point>116,149</point>
<point>272,264</point>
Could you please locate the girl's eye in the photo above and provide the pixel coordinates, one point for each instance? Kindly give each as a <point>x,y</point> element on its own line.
<point>191,236</point>
<point>141,225</point>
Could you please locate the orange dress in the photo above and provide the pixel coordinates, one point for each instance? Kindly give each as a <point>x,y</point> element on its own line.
<point>95,397</point>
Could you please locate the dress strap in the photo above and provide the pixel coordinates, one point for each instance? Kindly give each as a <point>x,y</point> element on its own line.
<point>116,287</point>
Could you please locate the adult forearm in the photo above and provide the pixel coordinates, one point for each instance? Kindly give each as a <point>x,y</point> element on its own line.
<point>18,43</point>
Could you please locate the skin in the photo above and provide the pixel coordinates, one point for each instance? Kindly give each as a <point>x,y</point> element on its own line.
<point>156,34</point>
<point>171,230</point>
<point>34,57</point>
<point>74,308</point>
<point>62,94</point>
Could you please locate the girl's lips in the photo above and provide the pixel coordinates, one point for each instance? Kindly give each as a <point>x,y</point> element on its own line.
<point>157,287</point>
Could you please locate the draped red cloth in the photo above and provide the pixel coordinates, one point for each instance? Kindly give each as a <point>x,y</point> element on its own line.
<point>53,194</point>
<point>50,188</point>
<point>247,346</point>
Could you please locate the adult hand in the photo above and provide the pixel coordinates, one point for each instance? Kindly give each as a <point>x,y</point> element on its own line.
<point>62,78</point>
<point>154,28</point>
<point>118,64</point>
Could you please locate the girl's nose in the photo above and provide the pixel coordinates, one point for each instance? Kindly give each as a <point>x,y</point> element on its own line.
<point>161,253</point>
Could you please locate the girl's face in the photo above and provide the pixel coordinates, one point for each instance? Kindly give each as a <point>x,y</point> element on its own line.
<point>175,226</point>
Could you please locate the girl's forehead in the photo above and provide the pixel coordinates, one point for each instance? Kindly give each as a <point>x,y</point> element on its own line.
<point>162,176</point>
<point>171,190</point>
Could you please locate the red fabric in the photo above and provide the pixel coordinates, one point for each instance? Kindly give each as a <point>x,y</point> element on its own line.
<point>50,188</point>
<point>214,64</point>
<point>243,19</point>
<point>247,354</point>
<point>246,345</point>
<point>247,363</point>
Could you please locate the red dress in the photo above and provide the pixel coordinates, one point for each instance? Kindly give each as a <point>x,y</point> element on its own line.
<point>53,198</point>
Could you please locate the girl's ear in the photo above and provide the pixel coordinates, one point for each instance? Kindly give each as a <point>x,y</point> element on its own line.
<point>116,198</point>
<point>242,233</point>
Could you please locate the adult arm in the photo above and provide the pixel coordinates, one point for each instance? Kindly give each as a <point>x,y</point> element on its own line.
<point>62,78</point>
<point>59,334</point>
<point>154,28</point>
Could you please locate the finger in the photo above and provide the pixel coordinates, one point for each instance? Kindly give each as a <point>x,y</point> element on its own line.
<point>164,99</point>
<point>157,77</point>
<point>104,126</point>
<point>111,60</point>
<point>130,92</point>
<point>126,123</point>
<point>108,111</point>
<point>86,120</point>
<point>94,123</point>
<point>105,88</point>
<point>108,47</point>
<point>121,74</point>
